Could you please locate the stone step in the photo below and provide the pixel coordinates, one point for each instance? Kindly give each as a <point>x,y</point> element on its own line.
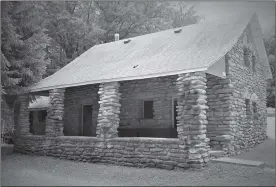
<point>216,153</point>
<point>239,161</point>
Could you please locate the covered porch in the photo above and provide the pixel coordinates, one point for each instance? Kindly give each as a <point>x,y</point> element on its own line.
<point>163,119</point>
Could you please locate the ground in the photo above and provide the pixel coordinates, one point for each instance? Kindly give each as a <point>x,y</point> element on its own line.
<point>18,169</point>
<point>28,170</point>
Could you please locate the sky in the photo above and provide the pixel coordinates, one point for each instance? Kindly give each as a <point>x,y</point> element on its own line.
<point>215,9</point>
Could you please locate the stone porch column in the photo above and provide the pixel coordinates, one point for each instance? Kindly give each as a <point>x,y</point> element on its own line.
<point>192,119</point>
<point>108,117</point>
<point>23,126</point>
<point>54,120</point>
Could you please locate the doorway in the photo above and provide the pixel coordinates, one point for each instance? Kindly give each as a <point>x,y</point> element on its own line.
<point>87,126</point>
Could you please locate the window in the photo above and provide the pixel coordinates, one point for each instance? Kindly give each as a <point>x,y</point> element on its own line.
<point>254,104</point>
<point>247,105</point>
<point>148,109</point>
<point>42,115</point>
<point>254,63</point>
<point>246,55</point>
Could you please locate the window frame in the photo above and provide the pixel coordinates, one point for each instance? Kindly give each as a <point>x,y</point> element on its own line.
<point>143,108</point>
<point>246,54</point>
<point>247,107</point>
<point>82,105</point>
<point>254,107</point>
<point>254,63</point>
<point>174,98</point>
<point>40,116</point>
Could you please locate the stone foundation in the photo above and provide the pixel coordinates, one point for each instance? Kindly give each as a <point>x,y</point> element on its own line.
<point>137,152</point>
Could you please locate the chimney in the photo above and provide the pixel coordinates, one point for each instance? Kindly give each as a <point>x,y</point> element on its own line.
<point>116,36</point>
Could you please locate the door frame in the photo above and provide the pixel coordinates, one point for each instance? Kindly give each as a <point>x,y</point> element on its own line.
<point>173,99</point>
<point>82,105</point>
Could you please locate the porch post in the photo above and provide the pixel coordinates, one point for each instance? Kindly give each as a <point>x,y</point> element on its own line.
<point>108,117</point>
<point>192,119</point>
<point>23,126</point>
<point>54,120</point>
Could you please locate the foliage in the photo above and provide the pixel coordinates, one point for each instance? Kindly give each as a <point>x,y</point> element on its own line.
<point>39,38</point>
<point>23,47</point>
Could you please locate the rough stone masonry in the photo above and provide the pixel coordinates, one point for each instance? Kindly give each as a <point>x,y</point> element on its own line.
<point>226,114</point>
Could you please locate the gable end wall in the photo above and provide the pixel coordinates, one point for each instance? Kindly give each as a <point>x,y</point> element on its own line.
<point>247,129</point>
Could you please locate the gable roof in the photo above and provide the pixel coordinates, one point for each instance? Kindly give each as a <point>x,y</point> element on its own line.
<point>164,53</point>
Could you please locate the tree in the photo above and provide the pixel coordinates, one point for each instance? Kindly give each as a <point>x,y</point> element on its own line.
<point>74,27</point>
<point>131,19</point>
<point>23,52</point>
<point>23,47</point>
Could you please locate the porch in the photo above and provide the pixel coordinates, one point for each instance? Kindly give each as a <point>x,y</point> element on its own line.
<point>168,117</point>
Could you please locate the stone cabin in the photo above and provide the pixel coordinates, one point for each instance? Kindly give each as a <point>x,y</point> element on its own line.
<point>166,99</point>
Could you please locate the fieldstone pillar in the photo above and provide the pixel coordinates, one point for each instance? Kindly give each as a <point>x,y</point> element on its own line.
<point>54,120</point>
<point>192,119</point>
<point>23,126</point>
<point>108,117</point>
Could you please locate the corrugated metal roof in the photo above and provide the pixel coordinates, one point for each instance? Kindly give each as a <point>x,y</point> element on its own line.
<point>41,102</point>
<point>163,53</point>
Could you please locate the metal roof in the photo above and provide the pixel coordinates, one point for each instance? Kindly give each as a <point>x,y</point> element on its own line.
<point>164,53</point>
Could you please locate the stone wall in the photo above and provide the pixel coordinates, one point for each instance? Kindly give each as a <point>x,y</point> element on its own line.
<point>247,130</point>
<point>54,119</point>
<point>133,93</point>
<point>161,90</point>
<point>75,97</point>
<point>219,95</point>
<point>192,116</point>
<point>138,152</point>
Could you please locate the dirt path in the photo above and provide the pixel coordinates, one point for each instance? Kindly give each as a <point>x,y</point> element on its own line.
<point>29,170</point>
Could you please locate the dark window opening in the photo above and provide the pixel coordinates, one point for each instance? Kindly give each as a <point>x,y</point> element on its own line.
<point>254,104</point>
<point>254,63</point>
<point>87,126</point>
<point>42,115</point>
<point>148,109</point>
<point>175,113</point>
<point>31,114</point>
<point>246,56</point>
<point>247,105</point>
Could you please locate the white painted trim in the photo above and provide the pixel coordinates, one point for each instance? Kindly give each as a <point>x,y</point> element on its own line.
<point>118,79</point>
<point>173,98</point>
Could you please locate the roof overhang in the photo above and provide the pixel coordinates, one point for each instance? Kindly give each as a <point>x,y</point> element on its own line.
<point>121,79</point>
<point>218,68</point>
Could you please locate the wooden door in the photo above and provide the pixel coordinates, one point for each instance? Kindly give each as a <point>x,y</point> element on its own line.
<point>87,120</point>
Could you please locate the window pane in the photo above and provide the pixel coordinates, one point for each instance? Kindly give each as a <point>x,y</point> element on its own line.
<point>247,106</point>
<point>254,107</point>
<point>148,109</point>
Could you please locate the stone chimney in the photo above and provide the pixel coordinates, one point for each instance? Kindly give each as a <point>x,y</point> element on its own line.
<point>117,37</point>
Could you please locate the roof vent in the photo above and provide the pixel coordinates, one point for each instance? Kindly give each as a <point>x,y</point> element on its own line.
<point>178,31</point>
<point>117,37</point>
<point>127,41</point>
